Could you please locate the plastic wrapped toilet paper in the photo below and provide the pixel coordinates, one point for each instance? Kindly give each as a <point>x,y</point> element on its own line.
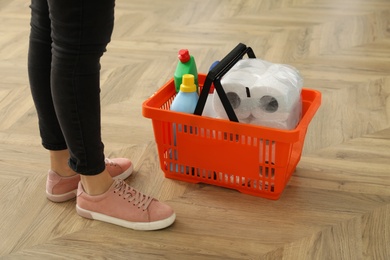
<point>287,75</point>
<point>273,99</point>
<point>235,89</point>
<point>261,66</point>
<point>262,93</point>
<point>287,119</point>
<point>208,109</point>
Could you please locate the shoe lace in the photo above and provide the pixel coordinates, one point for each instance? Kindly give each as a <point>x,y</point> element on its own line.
<point>132,195</point>
<point>110,162</point>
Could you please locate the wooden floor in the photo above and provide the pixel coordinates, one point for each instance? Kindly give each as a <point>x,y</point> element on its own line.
<point>337,204</point>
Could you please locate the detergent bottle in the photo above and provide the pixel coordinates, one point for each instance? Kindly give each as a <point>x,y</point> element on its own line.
<point>185,101</point>
<point>187,98</point>
<point>186,65</point>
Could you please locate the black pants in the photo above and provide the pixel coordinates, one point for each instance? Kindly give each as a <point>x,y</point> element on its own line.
<point>67,40</point>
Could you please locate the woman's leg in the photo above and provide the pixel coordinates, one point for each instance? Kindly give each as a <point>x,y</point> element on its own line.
<point>79,38</point>
<point>39,70</point>
<point>81,30</point>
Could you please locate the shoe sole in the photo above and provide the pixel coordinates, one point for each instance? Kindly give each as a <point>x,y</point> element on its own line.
<point>62,197</point>
<point>156,225</point>
<point>72,194</point>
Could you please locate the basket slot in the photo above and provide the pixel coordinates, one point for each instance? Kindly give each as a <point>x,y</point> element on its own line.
<point>267,151</point>
<point>205,174</point>
<point>207,133</point>
<point>266,172</point>
<point>261,185</point>
<point>167,104</point>
<point>248,140</point>
<point>231,137</point>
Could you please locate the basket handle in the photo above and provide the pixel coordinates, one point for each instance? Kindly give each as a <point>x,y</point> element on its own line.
<point>215,75</point>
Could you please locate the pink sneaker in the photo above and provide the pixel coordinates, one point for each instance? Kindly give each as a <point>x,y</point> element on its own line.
<point>60,189</point>
<point>124,206</point>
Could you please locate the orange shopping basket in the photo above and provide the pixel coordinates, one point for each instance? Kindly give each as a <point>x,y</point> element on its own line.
<point>252,159</point>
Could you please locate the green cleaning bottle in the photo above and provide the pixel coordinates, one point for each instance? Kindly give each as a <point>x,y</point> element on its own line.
<point>186,65</point>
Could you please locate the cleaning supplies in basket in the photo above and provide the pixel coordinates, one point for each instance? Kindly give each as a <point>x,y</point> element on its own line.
<point>185,101</point>
<point>186,65</point>
<point>187,98</point>
<point>262,93</point>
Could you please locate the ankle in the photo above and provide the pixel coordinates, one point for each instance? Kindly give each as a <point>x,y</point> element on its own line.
<point>97,184</point>
<point>59,163</point>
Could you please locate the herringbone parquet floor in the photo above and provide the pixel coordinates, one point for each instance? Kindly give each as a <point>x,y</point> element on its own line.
<point>337,204</point>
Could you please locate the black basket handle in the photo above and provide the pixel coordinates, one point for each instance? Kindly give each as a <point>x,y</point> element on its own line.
<point>215,75</point>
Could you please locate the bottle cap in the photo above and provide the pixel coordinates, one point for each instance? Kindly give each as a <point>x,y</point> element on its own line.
<point>188,83</point>
<point>184,55</point>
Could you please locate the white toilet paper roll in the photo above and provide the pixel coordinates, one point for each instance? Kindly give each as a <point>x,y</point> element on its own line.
<point>236,93</point>
<point>278,124</point>
<point>208,109</point>
<point>281,119</point>
<point>287,75</point>
<point>270,102</point>
<point>263,69</point>
<point>259,65</point>
<point>235,86</point>
<point>288,123</point>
